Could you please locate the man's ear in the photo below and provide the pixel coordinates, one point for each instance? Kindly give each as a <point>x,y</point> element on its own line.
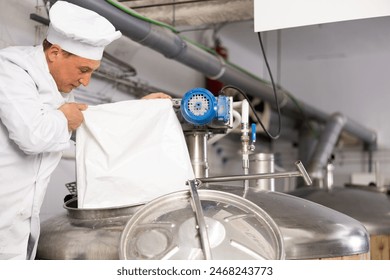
<point>53,52</point>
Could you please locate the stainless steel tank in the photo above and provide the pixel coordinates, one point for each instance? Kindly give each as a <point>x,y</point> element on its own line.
<point>368,205</point>
<point>164,228</point>
<point>91,234</point>
<point>309,230</point>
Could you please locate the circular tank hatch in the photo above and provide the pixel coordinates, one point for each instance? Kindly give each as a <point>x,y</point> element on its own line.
<point>166,228</point>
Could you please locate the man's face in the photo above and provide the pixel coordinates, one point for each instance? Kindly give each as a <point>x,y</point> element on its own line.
<point>70,71</point>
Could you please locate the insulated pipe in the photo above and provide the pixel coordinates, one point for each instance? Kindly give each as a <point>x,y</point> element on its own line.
<point>173,46</point>
<point>325,145</point>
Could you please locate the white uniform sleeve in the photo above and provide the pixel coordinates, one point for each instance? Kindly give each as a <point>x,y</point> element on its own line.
<point>34,124</point>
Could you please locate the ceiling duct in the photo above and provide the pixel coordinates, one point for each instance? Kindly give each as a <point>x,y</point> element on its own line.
<point>172,46</point>
<point>193,12</point>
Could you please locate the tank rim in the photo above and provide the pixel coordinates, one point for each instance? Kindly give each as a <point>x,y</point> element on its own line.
<point>99,213</point>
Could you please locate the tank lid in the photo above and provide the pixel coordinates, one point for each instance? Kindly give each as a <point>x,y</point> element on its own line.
<point>166,228</point>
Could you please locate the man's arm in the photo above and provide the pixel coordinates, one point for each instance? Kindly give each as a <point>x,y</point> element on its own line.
<point>33,125</point>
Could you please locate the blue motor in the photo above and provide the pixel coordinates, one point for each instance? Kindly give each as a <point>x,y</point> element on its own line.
<point>200,107</point>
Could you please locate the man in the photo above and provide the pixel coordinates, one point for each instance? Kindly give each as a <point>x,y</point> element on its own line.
<point>38,115</point>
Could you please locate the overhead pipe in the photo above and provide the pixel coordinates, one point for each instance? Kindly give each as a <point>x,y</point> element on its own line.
<point>174,47</point>
<point>325,146</point>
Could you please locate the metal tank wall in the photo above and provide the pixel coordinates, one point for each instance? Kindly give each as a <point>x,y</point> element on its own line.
<point>368,205</point>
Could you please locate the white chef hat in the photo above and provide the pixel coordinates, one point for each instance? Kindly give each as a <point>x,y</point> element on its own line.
<point>80,31</point>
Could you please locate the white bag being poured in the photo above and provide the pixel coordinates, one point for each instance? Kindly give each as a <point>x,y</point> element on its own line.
<point>130,152</point>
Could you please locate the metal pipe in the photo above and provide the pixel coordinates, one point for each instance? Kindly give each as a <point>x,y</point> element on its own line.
<point>245,141</point>
<point>220,179</point>
<point>307,141</point>
<point>173,46</point>
<point>325,146</point>
<point>300,173</point>
<point>197,149</point>
<point>304,173</point>
<point>202,227</point>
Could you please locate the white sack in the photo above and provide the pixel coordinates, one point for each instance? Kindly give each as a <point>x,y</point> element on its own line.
<point>130,152</point>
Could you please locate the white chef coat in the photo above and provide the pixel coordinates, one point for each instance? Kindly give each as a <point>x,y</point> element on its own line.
<point>33,134</point>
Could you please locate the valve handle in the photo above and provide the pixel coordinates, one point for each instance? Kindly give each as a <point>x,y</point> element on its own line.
<point>253,132</point>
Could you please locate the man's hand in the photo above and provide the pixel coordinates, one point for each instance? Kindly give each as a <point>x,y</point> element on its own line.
<point>72,112</point>
<point>157,95</point>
